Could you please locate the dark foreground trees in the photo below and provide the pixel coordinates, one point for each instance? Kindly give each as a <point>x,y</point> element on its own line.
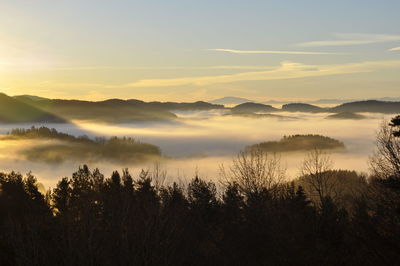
<point>253,218</point>
<point>92,220</point>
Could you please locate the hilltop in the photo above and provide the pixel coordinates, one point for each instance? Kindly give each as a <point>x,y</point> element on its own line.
<point>299,143</point>
<point>115,110</point>
<point>13,110</point>
<point>253,108</point>
<point>32,97</point>
<point>372,106</point>
<point>302,107</point>
<point>346,115</point>
<point>175,106</point>
<point>64,147</point>
<point>230,100</point>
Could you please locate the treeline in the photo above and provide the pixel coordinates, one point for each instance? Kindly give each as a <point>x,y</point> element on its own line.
<point>92,220</point>
<point>52,133</point>
<point>44,132</point>
<point>293,143</point>
<point>68,147</point>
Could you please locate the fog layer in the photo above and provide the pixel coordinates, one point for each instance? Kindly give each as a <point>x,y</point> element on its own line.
<point>201,141</point>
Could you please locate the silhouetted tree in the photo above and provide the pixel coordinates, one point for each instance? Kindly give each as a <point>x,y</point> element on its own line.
<point>254,170</point>
<point>395,123</point>
<point>255,218</point>
<point>385,161</point>
<point>317,175</point>
<point>62,196</point>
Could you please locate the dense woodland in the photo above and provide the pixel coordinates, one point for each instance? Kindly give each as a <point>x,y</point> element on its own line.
<point>299,143</point>
<point>251,216</point>
<point>68,147</point>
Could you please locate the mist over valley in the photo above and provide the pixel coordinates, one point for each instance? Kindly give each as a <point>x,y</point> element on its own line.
<point>195,140</point>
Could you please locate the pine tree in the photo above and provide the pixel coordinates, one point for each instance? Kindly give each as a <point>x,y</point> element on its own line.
<point>395,124</point>
<point>62,196</point>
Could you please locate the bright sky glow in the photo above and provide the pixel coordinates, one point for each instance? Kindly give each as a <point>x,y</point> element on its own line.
<point>200,50</point>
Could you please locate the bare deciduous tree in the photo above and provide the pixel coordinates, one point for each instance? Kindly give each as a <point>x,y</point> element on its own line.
<point>254,170</point>
<point>316,171</point>
<point>158,175</point>
<point>385,161</point>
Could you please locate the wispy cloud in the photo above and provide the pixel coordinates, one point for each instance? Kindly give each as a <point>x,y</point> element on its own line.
<point>127,68</point>
<point>287,70</point>
<point>234,51</point>
<point>395,49</point>
<point>345,39</point>
<point>240,67</point>
<point>284,71</point>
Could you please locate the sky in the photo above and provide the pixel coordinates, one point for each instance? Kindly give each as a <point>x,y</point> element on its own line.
<point>187,50</point>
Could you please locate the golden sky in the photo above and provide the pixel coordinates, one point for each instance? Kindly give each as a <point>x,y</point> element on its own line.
<point>200,50</point>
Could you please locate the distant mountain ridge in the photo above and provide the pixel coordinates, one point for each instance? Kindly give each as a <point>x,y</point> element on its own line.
<point>346,115</point>
<point>114,110</point>
<point>229,100</point>
<point>251,107</point>
<point>28,108</point>
<point>371,106</point>
<point>199,105</point>
<point>13,110</point>
<point>110,111</point>
<point>334,101</point>
<point>32,97</point>
<point>345,109</point>
<point>302,107</point>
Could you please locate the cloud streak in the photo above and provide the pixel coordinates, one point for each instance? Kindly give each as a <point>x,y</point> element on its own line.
<point>287,70</point>
<point>234,51</point>
<point>394,49</point>
<point>346,39</point>
<point>144,68</point>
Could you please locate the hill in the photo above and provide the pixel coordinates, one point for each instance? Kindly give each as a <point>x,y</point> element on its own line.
<point>299,143</point>
<point>115,110</point>
<point>112,111</point>
<point>342,101</point>
<point>313,102</point>
<point>302,107</point>
<point>170,106</point>
<point>253,108</point>
<point>333,101</point>
<point>371,106</point>
<point>195,106</point>
<point>230,100</point>
<point>259,116</point>
<point>13,110</point>
<point>64,147</point>
<point>346,115</point>
<point>32,97</point>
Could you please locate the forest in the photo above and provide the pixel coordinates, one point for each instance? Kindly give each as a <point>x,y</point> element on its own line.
<point>251,216</point>
<point>299,143</point>
<point>61,147</point>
